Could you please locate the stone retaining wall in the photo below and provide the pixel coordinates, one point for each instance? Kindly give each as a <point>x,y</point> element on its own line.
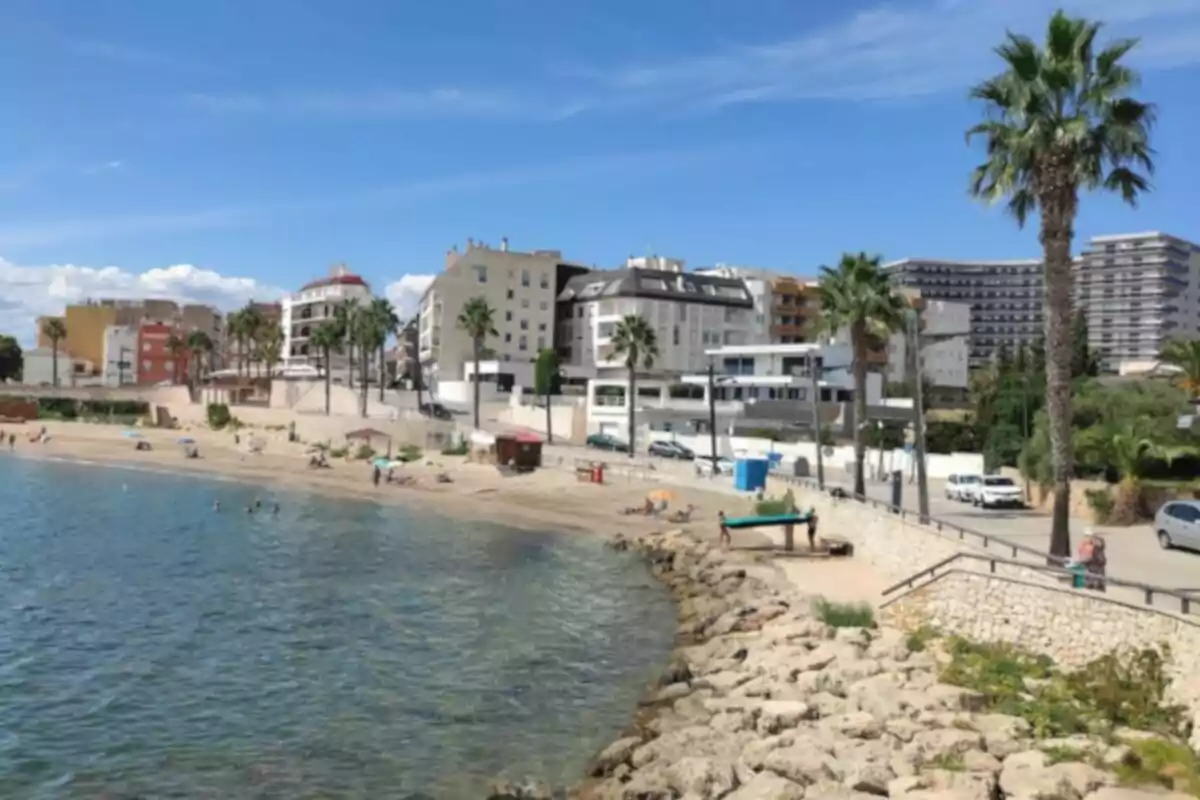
<point>1072,627</point>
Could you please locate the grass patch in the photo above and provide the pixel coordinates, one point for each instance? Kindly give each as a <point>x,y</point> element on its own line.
<point>364,452</point>
<point>460,449</point>
<point>1064,755</point>
<point>776,506</point>
<point>1170,764</point>
<point>410,452</point>
<point>919,640</point>
<point>338,452</point>
<point>951,762</point>
<point>1107,693</point>
<point>846,615</point>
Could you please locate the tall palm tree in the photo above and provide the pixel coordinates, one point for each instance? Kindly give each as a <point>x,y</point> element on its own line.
<point>55,330</point>
<point>270,345</point>
<point>345,317</point>
<point>252,326</point>
<point>477,319</point>
<point>389,325</point>
<point>199,345</point>
<point>235,329</point>
<point>857,296</point>
<point>326,338</point>
<point>1060,119</point>
<point>636,341</point>
<point>178,349</point>
<point>1184,354</point>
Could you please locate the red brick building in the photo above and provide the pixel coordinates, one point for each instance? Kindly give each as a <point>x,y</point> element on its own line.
<point>156,363</point>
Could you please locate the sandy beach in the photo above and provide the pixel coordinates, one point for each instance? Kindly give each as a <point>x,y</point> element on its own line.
<point>548,499</point>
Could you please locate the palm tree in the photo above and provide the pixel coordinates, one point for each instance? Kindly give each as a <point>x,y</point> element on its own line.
<point>858,297</point>
<point>345,317</point>
<point>199,345</point>
<point>1129,454</point>
<point>235,328</point>
<point>55,330</point>
<point>178,349</point>
<point>270,345</point>
<point>327,337</point>
<point>1185,354</point>
<point>477,320</point>
<point>635,339</point>
<point>388,322</point>
<point>252,325</point>
<point>1060,119</point>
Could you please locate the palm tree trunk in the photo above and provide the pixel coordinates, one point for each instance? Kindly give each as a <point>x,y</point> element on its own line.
<point>549,433</point>
<point>632,400</point>
<point>328,382</point>
<point>859,345</point>
<point>364,363</point>
<point>1058,215</point>
<point>54,361</point>
<point>478,353</point>
<point>417,381</point>
<point>382,370</point>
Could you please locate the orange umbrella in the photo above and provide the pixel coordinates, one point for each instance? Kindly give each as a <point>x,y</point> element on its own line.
<point>660,495</point>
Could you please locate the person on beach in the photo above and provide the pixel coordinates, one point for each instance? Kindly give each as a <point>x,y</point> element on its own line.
<point>1096,565</point>
<point>812,529</point>
<point>725,539</point>
<point>257,503</point>
<point>216,505</point>
<point>275,510</point>
<point>378,473</point>
<point>12,441</point>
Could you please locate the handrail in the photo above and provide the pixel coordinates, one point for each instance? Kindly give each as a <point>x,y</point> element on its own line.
<point>941,525</point>
<point>1148,590</point>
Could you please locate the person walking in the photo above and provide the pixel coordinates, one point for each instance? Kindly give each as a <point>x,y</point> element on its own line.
<point>724,539</point>
<point>812,529</point>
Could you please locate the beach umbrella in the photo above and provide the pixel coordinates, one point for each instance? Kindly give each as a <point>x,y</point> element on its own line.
<point>131,434</point>
<point>383,463</point>
<point>659,495</point>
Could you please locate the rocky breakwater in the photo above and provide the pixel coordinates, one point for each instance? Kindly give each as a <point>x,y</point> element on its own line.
<point>765,701</point>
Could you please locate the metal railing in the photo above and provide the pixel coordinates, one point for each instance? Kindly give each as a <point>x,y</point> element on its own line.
<point>985,540</point>
<point>1149,592</point>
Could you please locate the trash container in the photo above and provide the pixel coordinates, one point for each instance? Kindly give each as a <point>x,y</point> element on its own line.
<point>1078,575</point>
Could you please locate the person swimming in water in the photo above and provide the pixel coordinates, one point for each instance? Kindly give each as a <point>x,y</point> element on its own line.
<point>216,505</point>
<point>275,510</point>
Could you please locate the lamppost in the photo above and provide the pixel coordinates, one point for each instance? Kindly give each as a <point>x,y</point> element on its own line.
<point>814,371</point>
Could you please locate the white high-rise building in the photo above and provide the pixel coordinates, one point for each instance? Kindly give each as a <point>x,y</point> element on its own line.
<point>303,311</point>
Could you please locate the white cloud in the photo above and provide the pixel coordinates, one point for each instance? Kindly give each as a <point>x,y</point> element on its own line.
<point>405,294</point>
<point>894,51</point>
<point>30,292</point>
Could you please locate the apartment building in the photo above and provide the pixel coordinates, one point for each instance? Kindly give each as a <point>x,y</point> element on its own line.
<point>156,363</point>
<point>690,313</point>
<point>1137,291</point>
<point>303,311</point>
<point>520,286</point>
<point>945,330</point>
<point>1005,298</point>
<point>120,365</point>
<point>760,283</point>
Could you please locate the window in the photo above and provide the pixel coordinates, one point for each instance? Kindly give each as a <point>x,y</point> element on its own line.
<point>169,366</point>
<point>605,330</point>
<point>524,302</point>
<point>541,326</point>
<point>524,324</point>
<point>544,282</point>
<point>146,366</point>
<point>507,338</point>
<point>146,348</point>
<point>509,294</point>
<point>481,271</point>
<point>541,342</point>
<point>579,312</point>
<point>524,277</point>
<point>523,343</point>
<point>675,337</point>
<point>508,316</point>
<point>544,305</point>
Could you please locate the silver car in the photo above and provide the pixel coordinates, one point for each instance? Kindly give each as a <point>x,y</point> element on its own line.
<point>1177,524</point>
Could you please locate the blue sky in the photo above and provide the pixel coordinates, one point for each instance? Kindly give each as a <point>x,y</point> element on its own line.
<point>222,149</point>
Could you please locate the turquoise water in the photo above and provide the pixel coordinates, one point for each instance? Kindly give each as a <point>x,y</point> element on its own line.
<point>151,647</point>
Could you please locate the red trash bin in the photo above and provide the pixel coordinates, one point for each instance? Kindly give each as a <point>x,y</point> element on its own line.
<point>598,473</point>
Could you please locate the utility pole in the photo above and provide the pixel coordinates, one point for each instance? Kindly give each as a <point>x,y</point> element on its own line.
<point>914,364</point>
<point>814,372</point>
<point>712,417</point>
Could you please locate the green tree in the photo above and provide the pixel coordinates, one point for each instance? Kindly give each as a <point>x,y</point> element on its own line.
<point>1130,454</point>
<point>546,381</point>
<point>55,330</point>
<point>477,320</point>
<point>269,348</point>
<point>326,338</point>
<point>200,346</point>
<point>858,297</point>
<point>178,349</point>
<point>1060,120</point>
<point>1184,354</point>
<point>636,341</point>
<point>387,323</point>
<point>12,360</point>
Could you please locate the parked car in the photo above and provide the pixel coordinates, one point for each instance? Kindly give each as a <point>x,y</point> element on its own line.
<point>994,491</point>
<point>665,449</point>
<point>706,464</point>
<point>435,410</point>
<point>603,441</point>
<point>962,487</point>
<point>1177,524</point>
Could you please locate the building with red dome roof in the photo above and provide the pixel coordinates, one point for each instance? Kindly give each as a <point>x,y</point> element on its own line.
<point>315,303</point>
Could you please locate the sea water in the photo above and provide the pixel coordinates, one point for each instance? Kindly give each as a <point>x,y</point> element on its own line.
<point>153,647</point>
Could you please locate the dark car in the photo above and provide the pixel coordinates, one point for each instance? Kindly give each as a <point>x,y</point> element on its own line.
<point>435,410</point>
<point>602,441</point>
<point>664,449</point>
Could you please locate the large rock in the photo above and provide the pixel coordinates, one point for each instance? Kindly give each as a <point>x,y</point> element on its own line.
<point>802,763</point>
<point>1002,735</point>
<point>856,724</point>
<point>778,715</point>
<point>703,777</point>
<point>769,786</point>
<point>940,783</point>
<point>1026,776</point>
<point>615,754</point>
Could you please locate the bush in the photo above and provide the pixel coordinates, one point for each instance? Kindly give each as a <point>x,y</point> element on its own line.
<point>410,452</point>
<point>338,452</point>
<point>460,449</point>
<point>57,408</point>
<point>218,415</point>
<point>776,506</point>
<point>1107,693</point>
<point>950,437</point>
<point>364,452</point>
<point>1101,502</point>
<point>919,639</point>
<point>846,615</point>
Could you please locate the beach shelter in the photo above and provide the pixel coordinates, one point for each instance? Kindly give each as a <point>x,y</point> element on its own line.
<point>376,439</point>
